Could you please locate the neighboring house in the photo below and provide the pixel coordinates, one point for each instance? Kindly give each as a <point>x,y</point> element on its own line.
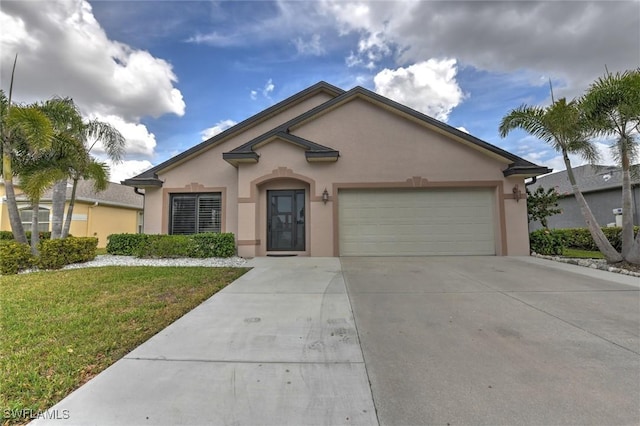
<point>601,187</point>
<point>118,209</point>
<point>329,172</point>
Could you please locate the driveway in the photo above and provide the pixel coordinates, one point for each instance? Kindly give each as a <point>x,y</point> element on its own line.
<point>497,340</point>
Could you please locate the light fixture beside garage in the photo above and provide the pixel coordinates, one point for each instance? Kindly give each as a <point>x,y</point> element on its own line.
<point>325,196</point>
<point>517,194</point>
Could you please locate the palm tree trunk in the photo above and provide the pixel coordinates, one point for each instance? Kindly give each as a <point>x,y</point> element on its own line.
<point>605,247</point>
<point>12,205</point>
<point>58,200</point>
<point>72,202</point>
<point>35,235</point>
<point>627,214</point>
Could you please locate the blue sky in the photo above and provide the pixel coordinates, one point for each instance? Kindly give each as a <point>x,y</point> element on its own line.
<point>168,73</point>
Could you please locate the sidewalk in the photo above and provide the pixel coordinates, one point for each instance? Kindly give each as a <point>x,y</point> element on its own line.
<point>276,347</point>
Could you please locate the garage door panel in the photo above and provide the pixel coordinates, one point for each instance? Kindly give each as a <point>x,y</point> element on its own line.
<point>416,222</point>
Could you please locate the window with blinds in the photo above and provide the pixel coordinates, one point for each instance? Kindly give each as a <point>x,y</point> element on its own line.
<point>195,213</point>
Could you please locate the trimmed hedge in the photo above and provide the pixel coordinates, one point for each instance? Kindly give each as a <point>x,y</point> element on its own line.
<point>203,245</point>
<point>125,244</point>
<point>547,242</point>
<point>580,238</point>
<point>15,257</point>
<point>8,235</point>
<point>54,254</point>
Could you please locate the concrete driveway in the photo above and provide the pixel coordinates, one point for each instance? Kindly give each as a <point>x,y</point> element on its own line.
<point>496,341</point>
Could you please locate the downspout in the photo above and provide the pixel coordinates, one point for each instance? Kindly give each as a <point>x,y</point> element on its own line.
<point>533,180</point>
<point>89,215</point>
<point>144,199</point>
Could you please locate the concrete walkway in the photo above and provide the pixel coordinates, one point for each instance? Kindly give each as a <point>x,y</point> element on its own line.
<point>277,347</point>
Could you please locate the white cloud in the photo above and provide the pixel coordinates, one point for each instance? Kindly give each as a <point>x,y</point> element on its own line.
<point>462,129</point>
<point>254,95</point>
<point>429,87</point>
<point>127,169</point>
<point>312,47</point>
<point>139,141</point>
<point>220,127</point>
<point>268,88</point>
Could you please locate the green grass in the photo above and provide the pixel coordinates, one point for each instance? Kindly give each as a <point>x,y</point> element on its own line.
<point>582,254</point>
<point>59,329</point>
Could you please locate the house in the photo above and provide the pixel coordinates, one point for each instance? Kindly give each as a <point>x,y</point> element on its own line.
<point>329,172</point>
<point>602,189</point>
<point>118,209</point>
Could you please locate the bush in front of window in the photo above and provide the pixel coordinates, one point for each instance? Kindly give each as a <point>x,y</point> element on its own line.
<point>207,244</point>
<point>15,257</point>
<point>54,254</point>
<point>125,244</point>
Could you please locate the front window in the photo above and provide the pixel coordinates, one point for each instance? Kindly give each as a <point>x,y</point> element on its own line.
<point>195,213</point>
<point>26,215</point>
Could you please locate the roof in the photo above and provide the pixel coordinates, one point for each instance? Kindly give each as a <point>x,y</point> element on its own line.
<point>115,195</point>
<point>316,152</point>
<point>590,178</point>
<point>150,177</point>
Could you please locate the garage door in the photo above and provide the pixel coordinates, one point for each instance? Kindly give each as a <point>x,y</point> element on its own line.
<point>408,222</point>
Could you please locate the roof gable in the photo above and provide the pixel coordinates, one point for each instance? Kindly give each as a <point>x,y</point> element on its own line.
<point>149,177</point>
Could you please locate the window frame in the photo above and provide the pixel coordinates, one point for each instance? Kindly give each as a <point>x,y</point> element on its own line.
<point>197,197</point>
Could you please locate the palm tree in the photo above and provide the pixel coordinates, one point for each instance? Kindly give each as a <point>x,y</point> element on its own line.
<point>562,126</point>
<point>78,164</point>
<point>86,167</point>
<point>19,126</point>
<point>612,104</point>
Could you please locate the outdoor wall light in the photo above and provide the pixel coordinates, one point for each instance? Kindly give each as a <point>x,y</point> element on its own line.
<point>517,194</point>
<point>325,196</point>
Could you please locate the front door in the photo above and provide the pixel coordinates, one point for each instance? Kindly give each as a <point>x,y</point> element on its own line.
<point>285,220</point>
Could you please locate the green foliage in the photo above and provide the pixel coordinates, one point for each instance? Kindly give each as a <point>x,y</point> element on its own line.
<point>580,238</point>
<point>165,246</point>
<point>125,244</point>
<point>211,244</point>
<point>208,244</point>
<point>14,257</point>
<point>547,242</point>
<point>542,204</point>
<point>8,235</point>
<point>54,254</point>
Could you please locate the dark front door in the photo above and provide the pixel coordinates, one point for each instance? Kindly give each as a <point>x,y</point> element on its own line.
<point>285,220</point>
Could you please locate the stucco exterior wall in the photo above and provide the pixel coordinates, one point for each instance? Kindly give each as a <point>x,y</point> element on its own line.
<point>378,149</point>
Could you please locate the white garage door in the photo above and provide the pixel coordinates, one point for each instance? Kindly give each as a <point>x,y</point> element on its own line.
<point>403,222</point>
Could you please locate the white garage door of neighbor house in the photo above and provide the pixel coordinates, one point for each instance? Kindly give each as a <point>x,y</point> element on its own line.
<point>405,222</point>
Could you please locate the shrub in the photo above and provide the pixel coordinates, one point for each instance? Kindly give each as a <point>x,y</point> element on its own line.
<point>165,246</point>
<point>14,257</point>
<point>580,238</point>
<point>203,245</point>
<point>8,235</point>
<point>54,254</point>
<point>211,244</point>
<point>125,244</point>
<point>548,242</point>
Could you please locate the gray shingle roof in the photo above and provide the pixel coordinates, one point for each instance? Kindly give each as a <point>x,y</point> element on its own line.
<point>589,178</point>
<point>115,195</point>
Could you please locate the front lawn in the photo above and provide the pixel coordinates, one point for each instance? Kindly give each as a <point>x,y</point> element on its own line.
<point>59,329</point>
<point>582,254</point>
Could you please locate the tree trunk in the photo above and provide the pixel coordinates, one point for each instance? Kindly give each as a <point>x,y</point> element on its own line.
<point>72,201</point>
<point>12,205</point>
<point>58,200</point>
<point>605,247</point>
<point>634,253</point>
<point>627,213</point>
<point>35,235</point>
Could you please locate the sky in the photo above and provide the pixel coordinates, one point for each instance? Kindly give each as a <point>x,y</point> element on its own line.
<point>170,74</point>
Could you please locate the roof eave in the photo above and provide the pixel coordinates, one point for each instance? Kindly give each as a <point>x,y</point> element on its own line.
<point>525,170</point>
<point>321,156</point>
<point>235,158</point>
<point>143,182</point>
